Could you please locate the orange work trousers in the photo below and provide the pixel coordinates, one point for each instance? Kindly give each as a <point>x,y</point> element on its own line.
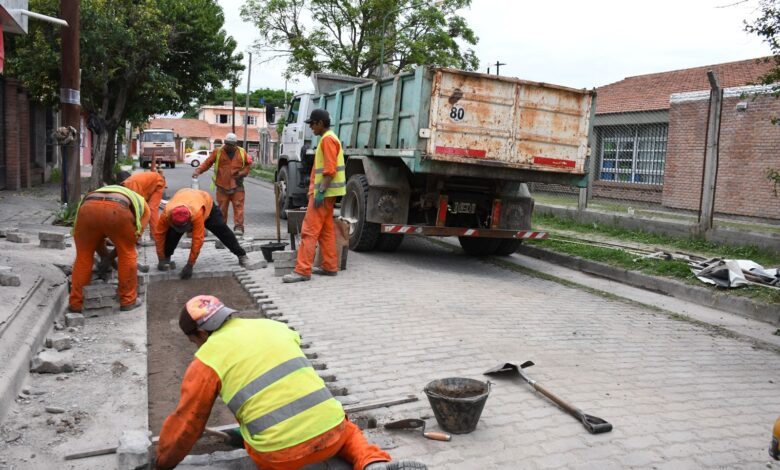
<point>317,228</point>
<point>237,199</point>
<point>98,220</point>
<point>345,440</point>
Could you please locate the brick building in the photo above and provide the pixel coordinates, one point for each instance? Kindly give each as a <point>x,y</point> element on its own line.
<point>650,137</point>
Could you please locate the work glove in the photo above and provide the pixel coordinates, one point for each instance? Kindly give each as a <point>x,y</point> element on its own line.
<point>319,199</point>
<point>235,439</point>
<point>186,271</point>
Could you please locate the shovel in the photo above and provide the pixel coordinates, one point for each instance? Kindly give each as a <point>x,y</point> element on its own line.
<point>418,423</point>
<point>593,424</point>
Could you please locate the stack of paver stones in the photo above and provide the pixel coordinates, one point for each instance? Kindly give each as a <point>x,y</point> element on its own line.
<point>284,262</point>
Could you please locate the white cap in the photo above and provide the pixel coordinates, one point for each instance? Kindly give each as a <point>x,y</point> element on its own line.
<point>231,138</point>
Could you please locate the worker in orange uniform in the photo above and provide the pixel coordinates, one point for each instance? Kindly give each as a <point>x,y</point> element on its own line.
<point>231,166</point>
<point>116,213</point>
<point>150,185</point>
<point>192,210</point>
<point>287,417</point>
<point>328,181</point>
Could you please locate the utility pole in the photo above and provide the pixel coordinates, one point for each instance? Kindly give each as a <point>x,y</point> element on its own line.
<point>710,176</point>
<point>233,118</point>
<point>70,101</point>
<point>498,67</point>
<point>246,110</point>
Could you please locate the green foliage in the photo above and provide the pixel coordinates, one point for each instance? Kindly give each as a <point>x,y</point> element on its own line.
<point>66,215</point>
<point>348,35</point>
<point>56,176</point>
<point>219,96</point>
<point>280,122</point>
<point>263,173</point>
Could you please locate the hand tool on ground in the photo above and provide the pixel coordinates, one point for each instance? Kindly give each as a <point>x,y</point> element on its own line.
<point>593,424</point>
<point>418,423</point>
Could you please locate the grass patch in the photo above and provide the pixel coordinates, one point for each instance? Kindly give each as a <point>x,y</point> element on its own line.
<point>263,172</point>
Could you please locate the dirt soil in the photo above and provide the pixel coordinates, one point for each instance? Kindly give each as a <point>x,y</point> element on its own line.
<point>170,353</point>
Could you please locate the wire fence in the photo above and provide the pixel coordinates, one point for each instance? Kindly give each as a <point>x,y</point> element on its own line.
<point>652,164</point>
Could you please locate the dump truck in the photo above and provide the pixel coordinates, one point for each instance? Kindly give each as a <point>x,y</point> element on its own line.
<point>441,152</point>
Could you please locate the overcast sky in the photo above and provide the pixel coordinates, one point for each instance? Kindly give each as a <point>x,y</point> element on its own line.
<point>581,44</point>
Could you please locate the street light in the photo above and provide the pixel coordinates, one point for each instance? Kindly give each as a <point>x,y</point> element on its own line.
<point>434,3</point>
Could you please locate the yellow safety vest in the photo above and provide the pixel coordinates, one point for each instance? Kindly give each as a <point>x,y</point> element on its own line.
<point>241,152</point>
<point>268,384</point>
<point>338,185</point>
<point>139,204</point>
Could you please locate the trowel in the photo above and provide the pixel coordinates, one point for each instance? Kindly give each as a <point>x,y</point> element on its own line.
<point>418,423</point>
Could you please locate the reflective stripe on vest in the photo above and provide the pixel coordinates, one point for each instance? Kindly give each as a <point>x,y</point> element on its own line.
<point>135,199</point>
<point>338,184</point>
<point>241,152</point>
<point>275,394</point>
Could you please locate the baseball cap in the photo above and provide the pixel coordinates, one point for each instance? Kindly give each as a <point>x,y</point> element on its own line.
<point>231,138</point>
<point>181,219</point>
<point>208,312</point>
<point>318,115</point>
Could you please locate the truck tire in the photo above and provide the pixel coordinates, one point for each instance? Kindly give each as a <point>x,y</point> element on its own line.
<point>389,243</point>
<point>507,246</point>
<point>479,246</point>
<point>284,203</point>
<point>173,164</point>
<point>363,235</point>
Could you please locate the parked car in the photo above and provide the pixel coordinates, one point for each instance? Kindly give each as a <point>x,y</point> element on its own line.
<point>195,158</point>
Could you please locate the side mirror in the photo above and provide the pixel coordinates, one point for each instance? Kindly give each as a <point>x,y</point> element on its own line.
<point>270,113</point>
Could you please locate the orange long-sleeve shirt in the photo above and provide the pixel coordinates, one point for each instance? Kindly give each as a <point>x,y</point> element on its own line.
<point>199,203</point>
<point>150,185</point>
<point>229,168</point>
<point>330,150</point>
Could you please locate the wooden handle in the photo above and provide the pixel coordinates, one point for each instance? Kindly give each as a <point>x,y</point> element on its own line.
<point>559,401</point>
<point>437,436</point>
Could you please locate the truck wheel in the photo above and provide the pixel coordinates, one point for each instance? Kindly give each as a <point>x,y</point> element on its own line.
<point>479,246</point>
<point>173,164</point>
<point>363,236</point>
<point>284,203</point>
<point>389,243</point>
<point>507,246</point>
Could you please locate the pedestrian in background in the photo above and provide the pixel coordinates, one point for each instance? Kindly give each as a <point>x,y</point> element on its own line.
<point>328,181</point>
<point>116,213</point>
<point>192,210</point>
<point>231,165</point>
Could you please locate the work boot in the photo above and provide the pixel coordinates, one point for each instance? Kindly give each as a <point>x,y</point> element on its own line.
<point>243,261</point>
<point>294,277</point>
<point>239,231</point>
<point>396,465</point>
<point>132,306</point>
<point>323,272</point>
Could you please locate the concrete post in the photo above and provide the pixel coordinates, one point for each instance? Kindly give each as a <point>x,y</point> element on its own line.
<point>709,179</point>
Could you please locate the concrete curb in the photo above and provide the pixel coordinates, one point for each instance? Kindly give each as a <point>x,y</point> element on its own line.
<point>24,336</point>
<point>699,295</point>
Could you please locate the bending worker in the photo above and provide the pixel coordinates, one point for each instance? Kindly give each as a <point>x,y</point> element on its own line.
<point>287,417</point>
<point>327,182</point>
<point>116,213</point>
<point>192,210</point>
<point>150,185</point>
<point>231,166</point>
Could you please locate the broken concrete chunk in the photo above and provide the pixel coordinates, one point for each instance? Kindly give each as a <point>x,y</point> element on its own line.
<point>58,341</point>
<point>51,362</point>
<point>255,264</point>
<point>10,279</point>
<point>52,245</point>
<point>74,319</point>
<point>16,237</point>
<point>133,450</point>
<point>51,236</point>
<point>5,231</point>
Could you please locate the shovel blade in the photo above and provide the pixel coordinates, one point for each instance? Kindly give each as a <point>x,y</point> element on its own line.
<point>411,423</point>
<point>507,367</point>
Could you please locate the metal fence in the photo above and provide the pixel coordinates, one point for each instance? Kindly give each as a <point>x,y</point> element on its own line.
<point>653,164</point>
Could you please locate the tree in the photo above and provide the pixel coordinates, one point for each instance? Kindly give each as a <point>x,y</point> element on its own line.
<point>218,96</point>
<point>347,36</point>
<point>138,58</point>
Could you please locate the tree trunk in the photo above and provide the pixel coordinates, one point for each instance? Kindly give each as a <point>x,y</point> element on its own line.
<point>98,160</point>
<point>108,165</point>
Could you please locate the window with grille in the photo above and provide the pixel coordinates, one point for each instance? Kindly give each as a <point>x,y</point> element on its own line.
<point>250,120</point>
<point>632,154</point>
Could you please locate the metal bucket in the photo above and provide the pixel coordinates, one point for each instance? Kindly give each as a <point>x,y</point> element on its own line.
<point>457,402</point>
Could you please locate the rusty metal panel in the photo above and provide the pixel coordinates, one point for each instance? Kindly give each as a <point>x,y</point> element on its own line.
<point>487,120</point>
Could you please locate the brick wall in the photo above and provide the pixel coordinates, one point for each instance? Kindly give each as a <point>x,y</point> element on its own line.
<point>23,110</point>
<point>628,192</point>
<point>749,144</point>
<point>11,121</point>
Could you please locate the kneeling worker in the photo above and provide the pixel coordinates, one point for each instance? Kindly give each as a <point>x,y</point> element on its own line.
<point>116,213</point>
<point>287,417</point>
<point>192,210</point>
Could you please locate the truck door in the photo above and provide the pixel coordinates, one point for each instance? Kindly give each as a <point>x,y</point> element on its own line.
<point>291,143</point>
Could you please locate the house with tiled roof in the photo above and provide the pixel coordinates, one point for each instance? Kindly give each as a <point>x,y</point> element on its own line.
<point>650,136</point>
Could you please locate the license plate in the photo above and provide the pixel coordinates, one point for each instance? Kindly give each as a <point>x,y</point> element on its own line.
<point>463,208</point>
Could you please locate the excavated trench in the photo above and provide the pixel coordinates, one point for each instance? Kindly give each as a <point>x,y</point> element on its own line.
<point>170,353</point>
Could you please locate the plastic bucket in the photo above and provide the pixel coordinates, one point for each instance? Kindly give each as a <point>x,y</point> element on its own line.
<point>457,402</point>
<point>269,248</point>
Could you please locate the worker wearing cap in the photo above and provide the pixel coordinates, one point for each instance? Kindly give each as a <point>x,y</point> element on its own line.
<point>116,213</point>
<point>192,210</point>
<point>327,182</point>
<point>150,185</point>
<point>287,417</point>
<point>231,166</point>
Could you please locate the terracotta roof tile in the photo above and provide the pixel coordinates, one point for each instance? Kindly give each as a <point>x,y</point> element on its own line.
<point>651,92</point>
<point>187,128</point>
